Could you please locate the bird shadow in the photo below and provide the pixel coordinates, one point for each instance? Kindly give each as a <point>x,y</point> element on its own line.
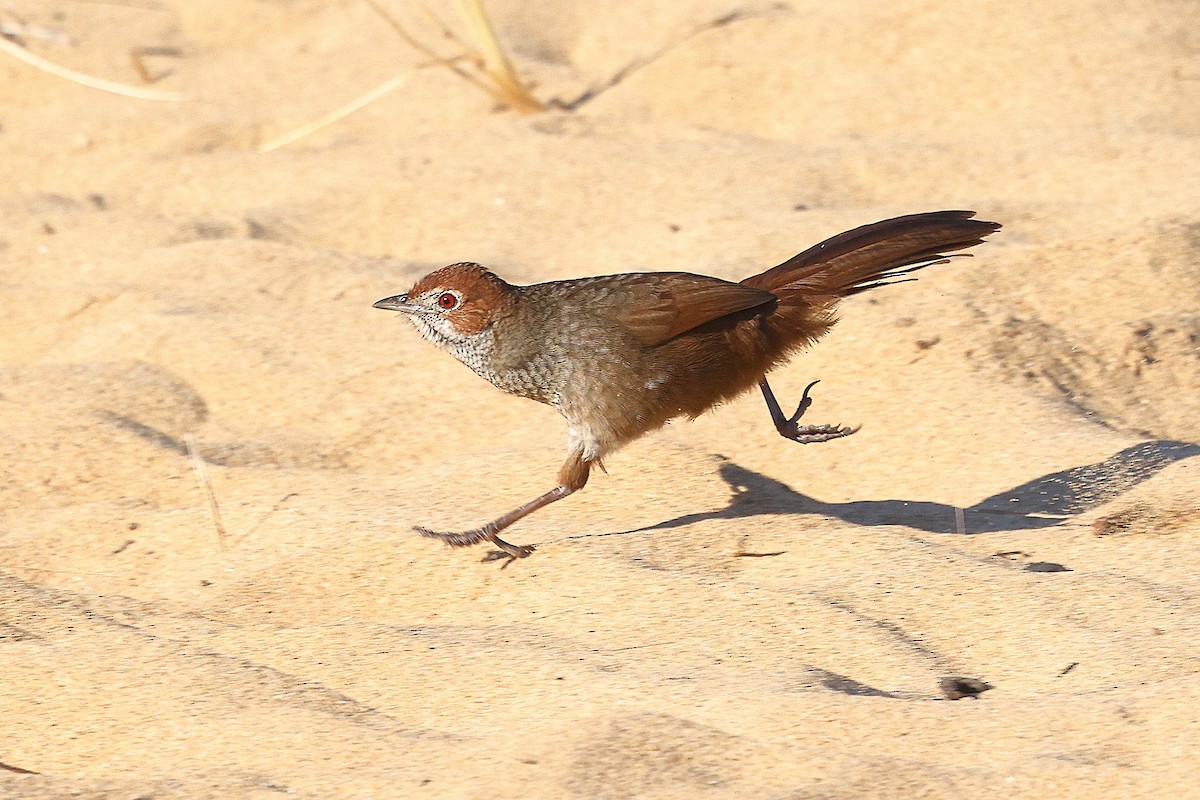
<point>1041,503</point>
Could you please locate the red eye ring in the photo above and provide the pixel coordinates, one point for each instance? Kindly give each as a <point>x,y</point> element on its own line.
<point>448,301</point>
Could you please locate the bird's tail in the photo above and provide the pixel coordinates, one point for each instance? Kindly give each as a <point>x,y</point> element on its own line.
<point>873,255</point>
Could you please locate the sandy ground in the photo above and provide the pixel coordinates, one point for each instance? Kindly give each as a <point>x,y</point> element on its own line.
<point>163,282</point>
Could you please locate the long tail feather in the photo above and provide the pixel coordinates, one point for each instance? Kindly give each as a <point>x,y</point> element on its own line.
<point>875,255</point>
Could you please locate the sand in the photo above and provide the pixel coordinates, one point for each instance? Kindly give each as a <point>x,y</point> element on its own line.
<point>725,614</point>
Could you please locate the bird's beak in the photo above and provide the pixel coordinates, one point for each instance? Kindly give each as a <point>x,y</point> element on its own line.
<point>398,303</point>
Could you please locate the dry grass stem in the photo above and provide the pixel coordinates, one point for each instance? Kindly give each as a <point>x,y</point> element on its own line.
<point>496,74</point>
<point>66,571</point>
<point>202,476</point>
<point>85,80</point>
<point>508,87</point>
<point>417,44</point>
<point>333,116</point>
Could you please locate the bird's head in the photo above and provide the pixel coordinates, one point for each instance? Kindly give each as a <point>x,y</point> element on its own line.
<point>453,305</point>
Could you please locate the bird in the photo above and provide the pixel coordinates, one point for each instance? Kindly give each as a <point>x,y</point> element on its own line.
<point>620,355</point>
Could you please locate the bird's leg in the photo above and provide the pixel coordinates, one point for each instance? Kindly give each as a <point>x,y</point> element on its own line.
<point>490,532</point>
<point>788,427</point>
<point>571,478</point>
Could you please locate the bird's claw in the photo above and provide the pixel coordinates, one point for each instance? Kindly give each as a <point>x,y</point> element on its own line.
<point>791,429</point>
<point>510,553</point>
<point>805,402</point>
<point>811,434</point>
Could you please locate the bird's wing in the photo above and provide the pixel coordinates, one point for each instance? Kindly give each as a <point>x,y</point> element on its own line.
<point>663,305</point>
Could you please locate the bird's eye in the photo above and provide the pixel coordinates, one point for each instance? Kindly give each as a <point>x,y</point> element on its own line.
<point>448,300</point>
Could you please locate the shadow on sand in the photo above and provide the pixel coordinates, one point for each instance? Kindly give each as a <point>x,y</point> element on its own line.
<point>1040,503</point>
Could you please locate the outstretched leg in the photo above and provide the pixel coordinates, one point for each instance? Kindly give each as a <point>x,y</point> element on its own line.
<point>788,427</point>
<point>571,478</point>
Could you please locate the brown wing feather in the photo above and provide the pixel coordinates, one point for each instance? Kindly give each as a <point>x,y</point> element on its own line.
<point>670,303</point>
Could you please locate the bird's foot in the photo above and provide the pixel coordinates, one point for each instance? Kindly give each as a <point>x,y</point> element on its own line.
<point>810,434</point>
<point>791,429</point>
<point>508,552</point>
<point>477,536</point>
